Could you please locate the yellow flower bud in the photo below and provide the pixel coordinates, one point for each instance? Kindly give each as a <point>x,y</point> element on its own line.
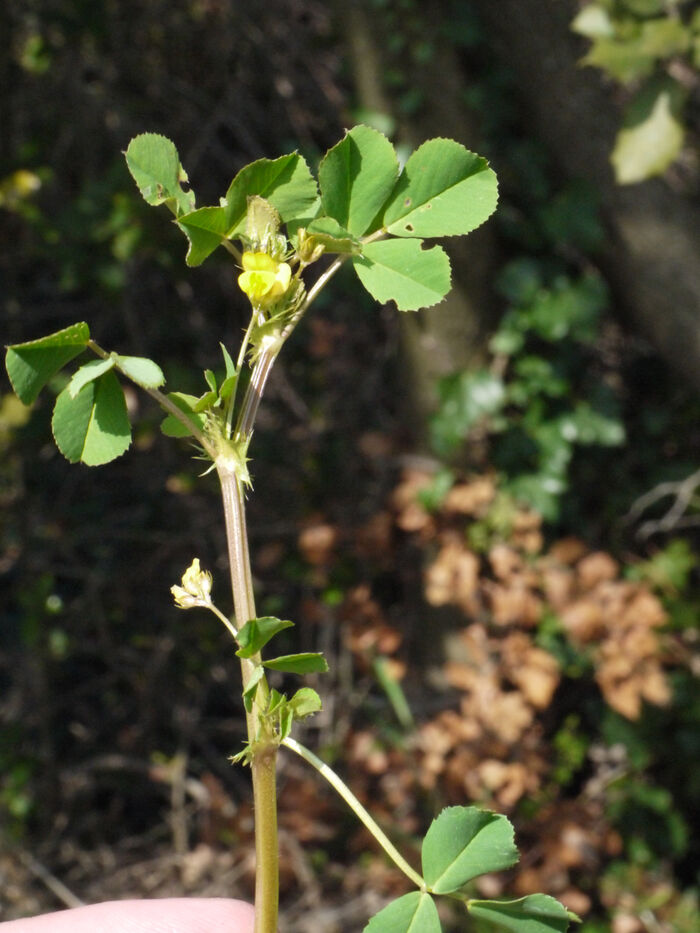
<point>264,279</point>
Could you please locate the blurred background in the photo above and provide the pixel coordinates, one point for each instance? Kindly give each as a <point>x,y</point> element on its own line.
<point>486,515</point>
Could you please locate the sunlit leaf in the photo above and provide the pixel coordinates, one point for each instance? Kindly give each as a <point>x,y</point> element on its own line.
<point>305,663</point>
<point>413,913</point>
<point>256,633</point>
<point>356,177</point>
<point>536,913</point>
<point>92,428</point>
<point>87,373</point>
<point>142,371</point>
<point>404,272</point>
<point>305,702</point>
<point>444,190</point>
<point>30,365</point>
<point>652,133</point>
<point>155,166</point>
<point>464,842</point>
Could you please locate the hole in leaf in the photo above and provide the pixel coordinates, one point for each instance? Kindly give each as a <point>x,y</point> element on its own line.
<point>409,228</point>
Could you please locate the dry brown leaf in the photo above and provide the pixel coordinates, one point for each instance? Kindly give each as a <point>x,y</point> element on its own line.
<point>567,551</point>
<point>531,669</point>
<point>470,498</point>
<point>514,604</point>
<point>316,542</point>
<point>453,577</point>
<point>596,568</point>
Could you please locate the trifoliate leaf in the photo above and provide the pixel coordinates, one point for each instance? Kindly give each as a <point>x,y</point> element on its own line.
<point>464,842</point>
<point>92,428</point>
<point>444,190</point>
<point>30,365</point>
<point>356,176</point>
<point>401,271</point>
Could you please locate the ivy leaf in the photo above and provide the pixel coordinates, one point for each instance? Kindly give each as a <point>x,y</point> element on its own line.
<point>536,913</point>
<point>142,371</point>
<point>87,373</point>
<point>444,190</point>
<point>464,842</point>
<point>413,913</point>
<point>401,271</point>
<point>255,634</point>
<point>306,663</point>
<point>172,426</point>
<point>92,428</point>
<point>355,177</point>
<point>30,365</point>
<point>155,167</point>
<point>652,133</point>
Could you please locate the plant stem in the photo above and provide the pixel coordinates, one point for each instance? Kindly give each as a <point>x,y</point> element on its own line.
<point>264,757</point>
<point>351,800</point>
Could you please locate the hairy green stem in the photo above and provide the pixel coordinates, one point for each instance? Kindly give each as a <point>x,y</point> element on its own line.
<point>351,800</point>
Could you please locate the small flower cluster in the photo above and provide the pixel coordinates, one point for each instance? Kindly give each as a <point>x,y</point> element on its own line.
<point>195,589</point>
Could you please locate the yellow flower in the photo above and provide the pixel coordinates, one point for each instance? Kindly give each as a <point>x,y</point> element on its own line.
<point>264,279</point>
<point>195,589</point>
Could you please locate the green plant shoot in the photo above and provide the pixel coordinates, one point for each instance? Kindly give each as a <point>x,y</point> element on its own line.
<point>287,234</point>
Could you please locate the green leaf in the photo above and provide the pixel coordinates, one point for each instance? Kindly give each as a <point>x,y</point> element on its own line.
<point>306,663</point>
<point>172,426</point>
<point>624,60</point>
<point>356,176</point>
<point>593,22</point>
<point>335,239</point>
<point>155,166</point>
<point>444,190</point>
<point>252,688</point>
<point>536,913</point>
<point>142,371</point>
<point>413,913</point>
<point>285,182</point>
<point>31,365</point>
<point>87,373</point>
<point>256,633</point>
<point>404,272</point>
<point>92,428</point>
<point>205,229</point>
<point>305,702</point>
<point>652,133</point>
<point>465,398</point>
<point>464,842</point>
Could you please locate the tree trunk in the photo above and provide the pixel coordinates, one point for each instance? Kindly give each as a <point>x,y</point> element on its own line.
<point>652,258</point>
